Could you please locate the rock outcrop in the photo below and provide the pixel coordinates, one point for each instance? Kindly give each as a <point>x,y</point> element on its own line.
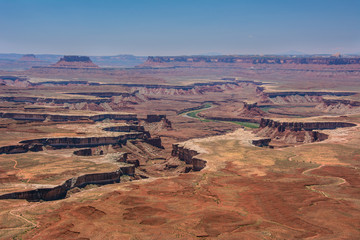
<point>234,112</point>
<point>83,152</point>
<point>64,118</point>
<point>296,99</point>
<point>74,142</point>
<point>134,132</point>
<point>53,100</point>
<point>21,148</point>
<point>299,126</point>
<point>188,156</point>
<point>285,94</point>
<point>192,89</point>
<point>74,62</point>
<point>15,81</point>
<point>106,101</point>
<point>264,142</point>
<point>338,106</point>
<point>126,128</point>
<point>59,192</point>
<point>155,141</point>
<point>296,132</point>
<point>158,118</point>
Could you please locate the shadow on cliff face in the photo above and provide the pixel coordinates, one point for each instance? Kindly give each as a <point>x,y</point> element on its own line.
<point>60,192</point>
<point>134,136</point>
<point>294,132</point>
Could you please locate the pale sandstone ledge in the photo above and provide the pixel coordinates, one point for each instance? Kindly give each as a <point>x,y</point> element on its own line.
<point>192,153</point>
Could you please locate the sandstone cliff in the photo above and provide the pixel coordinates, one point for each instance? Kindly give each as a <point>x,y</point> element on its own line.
<point>64,118</point>
<point>299,126</point>
<point>261,142</point>
<point>188,156</point>
<point>59,192</point>
<point>236,111</point>
<point>296,132</point>
<point>15,81</point>
<point>74,142</point>
<point>338,106</point>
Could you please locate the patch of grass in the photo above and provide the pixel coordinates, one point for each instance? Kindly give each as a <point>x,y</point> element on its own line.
<point>206,120</point>
<point>286,164</point>
<point>247,124</point>
<point>193,114</point>
<point>207,105</point>
<point>266,109</point>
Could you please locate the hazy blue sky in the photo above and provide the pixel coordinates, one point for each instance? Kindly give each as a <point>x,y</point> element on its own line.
<point>177,27</point>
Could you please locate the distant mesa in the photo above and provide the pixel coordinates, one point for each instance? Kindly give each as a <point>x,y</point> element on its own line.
<point>336,55</point>
<point>236,60</point>
<point>75,62</point>
<point>29,57</point>
<point>15,62</point>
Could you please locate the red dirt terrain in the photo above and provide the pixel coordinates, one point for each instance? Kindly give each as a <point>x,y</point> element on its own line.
<point>225,205</point>
<point>242,147</point>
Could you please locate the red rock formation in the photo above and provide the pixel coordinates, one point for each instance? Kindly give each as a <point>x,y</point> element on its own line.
<point>152,118</point>
<point>13,81</point>
<point>22,148</point>
<point>198,164</point>
<point>125,128</point>
<point>135,162</point>
<point>83,152</point>
<point>296,99</point>
<point>234,111</point>
<point>296,132</point>
<point>63,118</point>
<point>299,126</point>
<point>338,106</point>
<point>59,192</point>
<point>155,141</point>
<point>74,142</point>
<point>187,155</point>
<point>261,142</point>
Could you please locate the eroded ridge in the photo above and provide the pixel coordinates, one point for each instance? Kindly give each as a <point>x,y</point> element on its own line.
<point>132,137</point>
<point>282,133</point>
<point>59,192</point>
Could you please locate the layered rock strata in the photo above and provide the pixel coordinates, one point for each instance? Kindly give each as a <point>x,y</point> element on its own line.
<point>192,60</point>
<point>14,81</point>
<point>188,156</point>
<point>299,126</point>
<point>285,94</point>
<point>23,148</point>
<point>296,132</point>
<point>338,106</point>
<point>125,128</point>
<point>59,192</point>
<point>261,142</point>
<point>64,118</point>
<point>74,142</point>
